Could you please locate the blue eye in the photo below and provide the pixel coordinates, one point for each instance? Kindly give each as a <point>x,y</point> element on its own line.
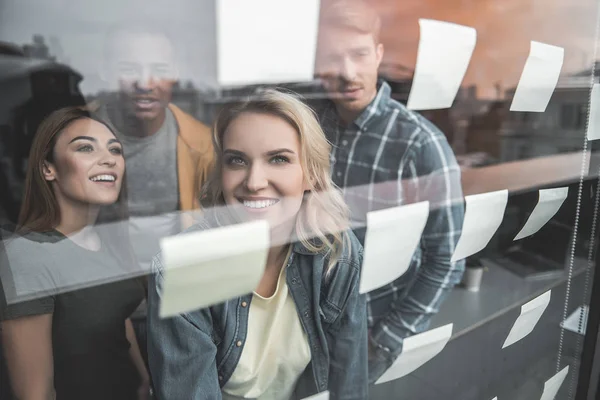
<point>280,160</point>
<point>235,160</point>
<point>85,148</point>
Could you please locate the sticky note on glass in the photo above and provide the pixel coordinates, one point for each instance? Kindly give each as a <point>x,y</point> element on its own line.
<point>208,267</point>
<point>531,312</point>
<point>577,321</point>
<point>483,216</point>
<point>593,129</point>
<point>266,41</point>
<point>416,351</point>
<point>319,396</point>
<point>539,78</point>
<point>552,385</point>
<point>389,245</point>
<point>550,201</point>
<point>444,54</point>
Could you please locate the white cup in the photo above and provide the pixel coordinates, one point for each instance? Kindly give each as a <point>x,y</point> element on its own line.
<point>472,279</point>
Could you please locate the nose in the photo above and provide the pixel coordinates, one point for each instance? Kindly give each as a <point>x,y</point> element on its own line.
<point>256,179</point>
<point>108,159</point>
<point>145,81</point>
<point>347,69</point>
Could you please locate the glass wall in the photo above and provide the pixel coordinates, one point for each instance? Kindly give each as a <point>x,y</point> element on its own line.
<point>264,199</point>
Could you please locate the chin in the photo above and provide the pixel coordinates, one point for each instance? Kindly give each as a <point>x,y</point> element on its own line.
<point>104,201</point>
<point>146,115</point>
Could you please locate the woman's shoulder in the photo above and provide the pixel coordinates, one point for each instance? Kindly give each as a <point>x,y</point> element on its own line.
<point>26,266</point>
<point>348,261</point>
<point>352,250</point>
<point>29,246</point>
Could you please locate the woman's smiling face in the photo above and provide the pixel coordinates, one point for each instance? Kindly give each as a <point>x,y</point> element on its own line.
<point>87,165</point>
<point>261,172</point>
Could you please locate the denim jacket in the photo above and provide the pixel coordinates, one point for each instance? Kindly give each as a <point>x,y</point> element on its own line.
<point>193,355</point>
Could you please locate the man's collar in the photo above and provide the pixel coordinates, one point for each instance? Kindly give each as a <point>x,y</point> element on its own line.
<point>376,107</point>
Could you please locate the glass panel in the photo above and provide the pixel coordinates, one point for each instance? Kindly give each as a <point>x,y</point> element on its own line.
<point>423,167</point>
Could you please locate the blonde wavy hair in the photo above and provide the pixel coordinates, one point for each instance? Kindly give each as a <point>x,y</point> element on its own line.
<point>323,214</point>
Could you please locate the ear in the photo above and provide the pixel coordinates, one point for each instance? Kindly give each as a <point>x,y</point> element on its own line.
<point>48,171</point>
<point>379,53</point>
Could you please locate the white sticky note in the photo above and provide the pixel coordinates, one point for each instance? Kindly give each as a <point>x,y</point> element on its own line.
<point>208,267</point>
<point>389,245</point>
<point>593,129</point>
<point>319,396</point>
<point>553,384</point>
<point>444,53</point>
<point>483,216</point>
<point>416,351</point>
<point>550,201</point>
<point>266,41</point>
<point>572,321</point>
<point>539,78</point>
<point>531,312</point>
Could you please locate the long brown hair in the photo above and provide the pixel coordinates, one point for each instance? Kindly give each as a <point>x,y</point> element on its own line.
<point>40,211</point>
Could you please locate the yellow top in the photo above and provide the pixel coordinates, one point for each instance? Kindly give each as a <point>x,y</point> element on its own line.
<point>276,351</point>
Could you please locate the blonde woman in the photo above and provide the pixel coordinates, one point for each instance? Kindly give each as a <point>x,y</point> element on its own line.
<point>303,330</point>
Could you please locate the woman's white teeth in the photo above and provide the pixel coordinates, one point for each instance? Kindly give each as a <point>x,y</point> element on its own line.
<point>103,178</point>
<point>259,204</point>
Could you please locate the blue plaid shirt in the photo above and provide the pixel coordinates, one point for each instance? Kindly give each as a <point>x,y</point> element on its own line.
<point>391,156</point>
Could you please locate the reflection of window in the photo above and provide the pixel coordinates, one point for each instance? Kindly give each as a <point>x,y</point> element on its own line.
<point>572,116</point>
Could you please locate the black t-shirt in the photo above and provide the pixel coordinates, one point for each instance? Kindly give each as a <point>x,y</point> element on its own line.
<point>89,300</point>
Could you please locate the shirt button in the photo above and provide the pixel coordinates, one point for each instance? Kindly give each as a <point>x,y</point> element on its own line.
<point>344,142</point>
<point>220,377</point>
<point>239,343</point>
<point>244,304</point>
<point>339,173</point>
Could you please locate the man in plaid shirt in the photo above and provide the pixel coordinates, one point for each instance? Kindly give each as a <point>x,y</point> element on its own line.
<point>385,155</point>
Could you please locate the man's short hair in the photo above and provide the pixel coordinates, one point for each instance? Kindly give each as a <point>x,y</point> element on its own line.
<point>133,27</point>
<point>356,15</point>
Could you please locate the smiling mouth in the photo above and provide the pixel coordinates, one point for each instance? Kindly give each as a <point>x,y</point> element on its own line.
<point>259,204</point>
<point>104,178</point>
<point>145,103</point>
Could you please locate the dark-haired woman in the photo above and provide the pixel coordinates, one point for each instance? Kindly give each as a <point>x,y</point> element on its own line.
<point>68,282</point>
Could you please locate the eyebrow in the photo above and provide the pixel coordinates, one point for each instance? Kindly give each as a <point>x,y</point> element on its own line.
<point>236,152</point>
<point>269,153</point>
<point>279,151</point>
<point>91,139</point>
